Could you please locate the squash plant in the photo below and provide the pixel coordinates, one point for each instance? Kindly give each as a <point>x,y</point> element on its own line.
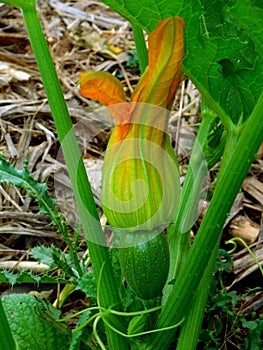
<point>223,52</point>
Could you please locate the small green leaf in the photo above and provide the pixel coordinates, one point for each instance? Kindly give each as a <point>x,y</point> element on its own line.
<point>24,274</point>
<point>22,178</point>
<point>54,258</point>
<point>43,255</point>
<point>10,277</point>
<point>88,285</point>
<point>138,324</point>
<point>254,339</point>
<point>27,277</point>
<point>132,61</point>
<point>77,335</point>
<point>224,261</point>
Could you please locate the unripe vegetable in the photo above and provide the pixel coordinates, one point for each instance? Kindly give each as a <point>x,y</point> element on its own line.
<point>145,262</point>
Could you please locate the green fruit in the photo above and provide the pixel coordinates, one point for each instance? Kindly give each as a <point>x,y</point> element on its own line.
<point>144,260</point>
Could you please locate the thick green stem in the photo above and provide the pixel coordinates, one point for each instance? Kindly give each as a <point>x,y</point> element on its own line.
<point>210,230</point>
<point>140,46</point>
<point>80,184</point>
<point>179,246</point>
<point>178,231</point>
<point>189,333</point>
<point>231,141</point>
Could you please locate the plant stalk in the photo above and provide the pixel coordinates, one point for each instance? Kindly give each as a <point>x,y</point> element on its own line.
<point>190,330</point>
<point>188,280</point>
<point>179,229</point>
<point>77,173</point>
<point>189,333</point>
<point>140,46</point>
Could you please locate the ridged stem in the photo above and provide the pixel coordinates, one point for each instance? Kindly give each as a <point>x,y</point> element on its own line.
<point>80,184</point>
<point>180,300</point>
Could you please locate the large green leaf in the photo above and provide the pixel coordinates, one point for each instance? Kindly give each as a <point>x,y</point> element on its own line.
<point>146,12</point>
<point>234,73</point>
<point>249,14</point>
<point>223,55</point>
<point>7,341</point>
<point>31,330</point>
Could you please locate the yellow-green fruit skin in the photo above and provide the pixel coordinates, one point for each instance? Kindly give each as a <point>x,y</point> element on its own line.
<point>145,263</point>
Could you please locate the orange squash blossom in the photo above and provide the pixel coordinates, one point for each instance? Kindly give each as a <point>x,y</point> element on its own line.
<point>140,180</point>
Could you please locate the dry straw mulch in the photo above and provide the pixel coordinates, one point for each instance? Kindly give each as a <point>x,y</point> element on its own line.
<point>87,36</point>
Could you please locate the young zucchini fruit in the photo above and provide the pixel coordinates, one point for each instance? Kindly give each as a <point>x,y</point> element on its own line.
<point>144,260</point>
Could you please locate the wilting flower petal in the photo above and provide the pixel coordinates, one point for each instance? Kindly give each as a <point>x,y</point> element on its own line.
<point>159,82</point>
<point>103,87</point>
